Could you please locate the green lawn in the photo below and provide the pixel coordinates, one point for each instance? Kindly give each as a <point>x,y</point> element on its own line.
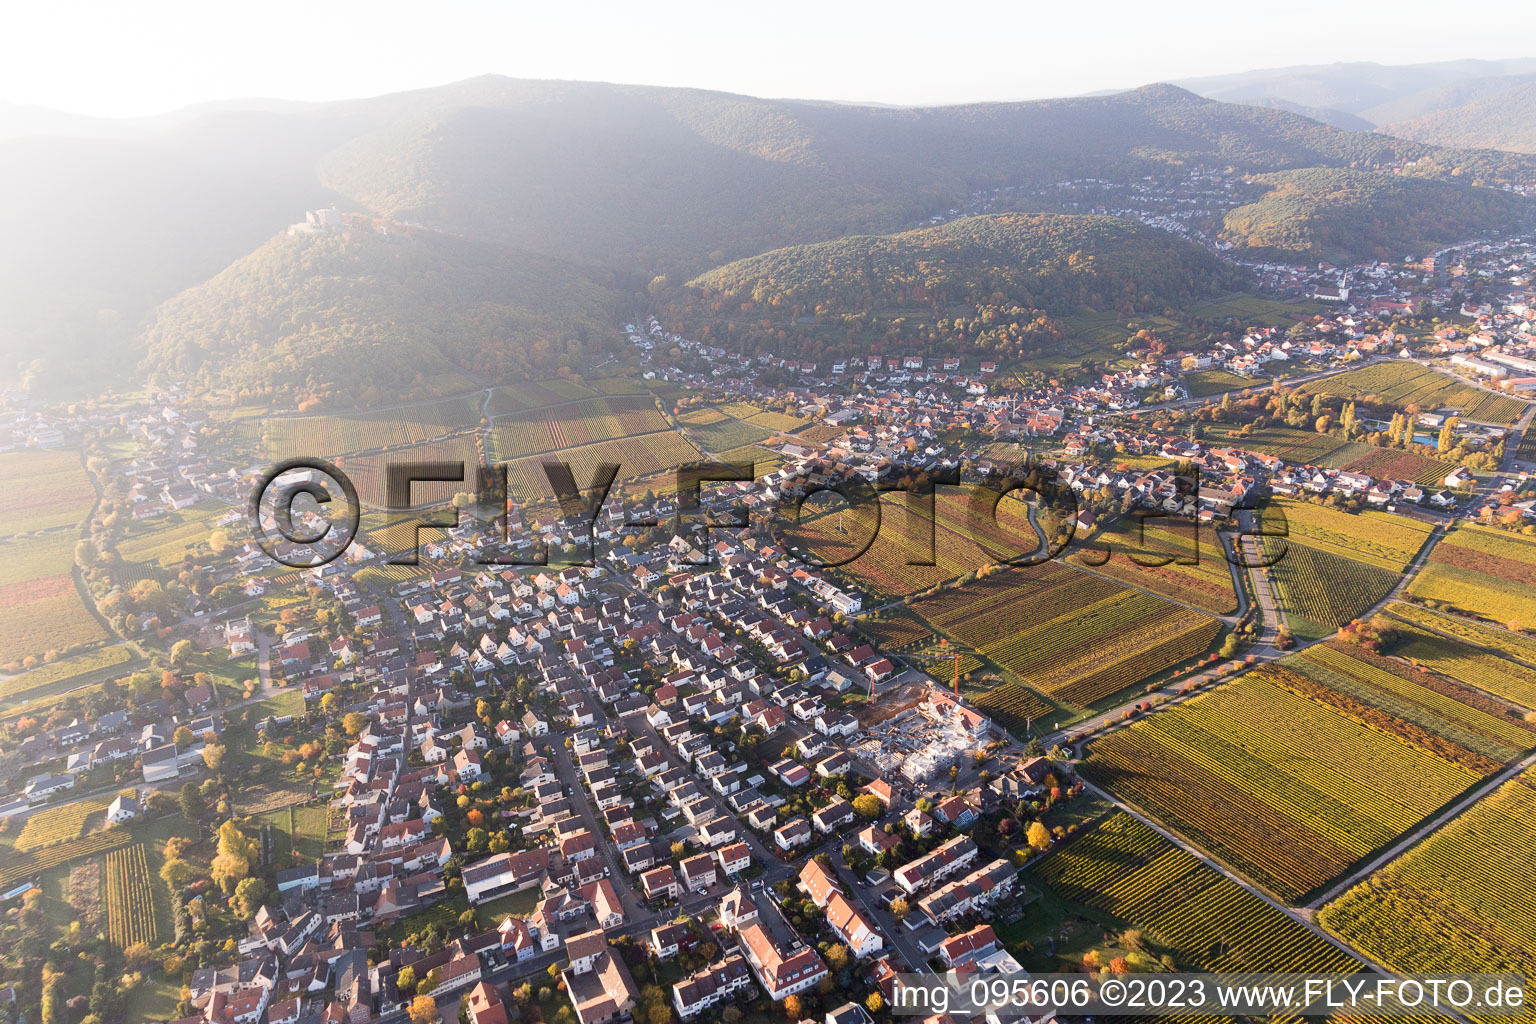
<point>154,999</point>
<point>518,904</point>
<point>443,913</point>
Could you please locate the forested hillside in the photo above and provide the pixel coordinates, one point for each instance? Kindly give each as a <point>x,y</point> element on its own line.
<point>1500,120</point>
<point>375,313</point>
<point>985,284</point>
<point>658,180</point>
<point>1346,214</point>
<point>640,181</point>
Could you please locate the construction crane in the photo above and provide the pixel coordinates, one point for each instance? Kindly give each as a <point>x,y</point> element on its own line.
<point>946,652</point>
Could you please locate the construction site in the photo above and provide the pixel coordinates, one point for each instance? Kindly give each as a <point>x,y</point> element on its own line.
<point>919,731</point>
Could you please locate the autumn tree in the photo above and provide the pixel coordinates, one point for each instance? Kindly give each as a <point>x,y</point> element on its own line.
<point>248,896</point>
<point>793,1009</point>
<point>236,853</point>
<point>423,1010</point>
<point>838,956</point>
<point>867,806</point>
<point>1038,835</point>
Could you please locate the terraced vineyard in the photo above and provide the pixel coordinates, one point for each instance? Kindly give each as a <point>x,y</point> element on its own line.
<point>1405,383</point>
<point>1460,901</point>
<point>1073,636</point>
<point>572,424</point>
<point>328,437</point>
<point>17,866</point>
<point>130,897</point>
<point>1126,870</point>
<point>1484,572</point>
<point>1417,701</point>
<point>1321,591</point>
<point>642,456</point>
<point>1288,790</point>
<point>1196,571</point>
<point>1516,645</point>
<point>963,540</point>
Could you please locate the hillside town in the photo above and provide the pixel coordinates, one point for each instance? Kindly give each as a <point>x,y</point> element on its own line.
<point>670,777</point>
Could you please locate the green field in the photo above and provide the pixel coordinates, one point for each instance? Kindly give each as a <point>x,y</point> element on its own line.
<point>716,431</point>
<point>165,541</point>
<point>1201,383</point>
<point>63,675</point>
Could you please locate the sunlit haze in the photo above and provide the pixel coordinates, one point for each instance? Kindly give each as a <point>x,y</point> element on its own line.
<point>120,60</point>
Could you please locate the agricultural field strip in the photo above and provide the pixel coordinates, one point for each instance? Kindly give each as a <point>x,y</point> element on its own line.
<point>1323,772</point>
<point>1323,588</point>
<point>957,543</point>
<point>1376,538</point>
<point>1476,729</point>
<point>57,824</point>
<point>66,674</point>
<point>548,429</point>
<point>1074,611</point>
<point>1125,868</point>
<point>1339,800</point>
<point>1403,383</point>
<point>17,866</point>
<point>1479,669</point>
<point>1517,646</point>
<point>130,897</point>
<point>1460,900</point>
<point>350,434</point>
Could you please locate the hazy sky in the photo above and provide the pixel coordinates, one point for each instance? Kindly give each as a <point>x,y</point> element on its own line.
<point>149,56</point>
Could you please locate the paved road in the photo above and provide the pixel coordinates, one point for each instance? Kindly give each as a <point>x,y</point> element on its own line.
<point>565,770</point>
<point>896,936</point>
